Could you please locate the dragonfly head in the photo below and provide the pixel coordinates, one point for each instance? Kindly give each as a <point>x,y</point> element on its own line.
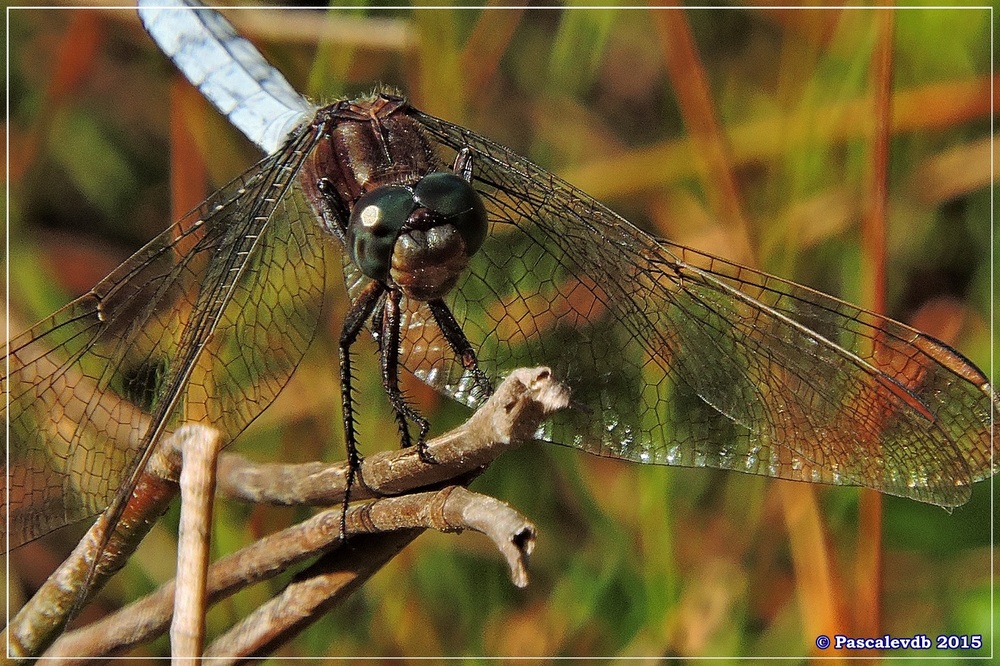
<point>418,238</point>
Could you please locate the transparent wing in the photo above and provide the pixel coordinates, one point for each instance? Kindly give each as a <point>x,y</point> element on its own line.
<point>206,323</point>
<point>227,69</point>
<point>681,358</point>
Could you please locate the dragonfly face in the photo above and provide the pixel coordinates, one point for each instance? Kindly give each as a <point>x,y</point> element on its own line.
<point>402,223</point>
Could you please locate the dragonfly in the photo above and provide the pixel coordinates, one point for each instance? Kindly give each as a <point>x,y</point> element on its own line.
<point>462,260</point>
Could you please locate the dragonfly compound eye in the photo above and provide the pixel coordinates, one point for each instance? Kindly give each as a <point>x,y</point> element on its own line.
<point>456,202</point>
<point>376,221</point>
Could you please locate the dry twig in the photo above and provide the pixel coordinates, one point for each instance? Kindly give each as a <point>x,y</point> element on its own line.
<point>379,528</point>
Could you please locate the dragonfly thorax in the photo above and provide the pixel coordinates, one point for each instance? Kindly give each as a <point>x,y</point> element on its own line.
<point>418,238</point>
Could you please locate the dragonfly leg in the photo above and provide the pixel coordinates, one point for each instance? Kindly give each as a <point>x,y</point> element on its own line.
<point>390,375</point>
<point>336,207</point>
<point>460,344</point>
<point>378,316</point>
<point>354,321</point>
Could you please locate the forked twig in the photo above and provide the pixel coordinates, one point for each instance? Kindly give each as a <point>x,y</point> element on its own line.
<point>379,528</point>
<point>46,614</point>
<point>399,519</point>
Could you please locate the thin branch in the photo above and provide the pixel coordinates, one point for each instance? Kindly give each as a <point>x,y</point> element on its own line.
<point>497,426</point>
<point>200,462</point>
<point>379,528</point>
<point>46,614</point>
<point>452,509</point>
<point>336,575</point>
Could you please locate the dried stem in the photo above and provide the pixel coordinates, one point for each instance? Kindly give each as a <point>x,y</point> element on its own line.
<point>495,427</point>
<point>379,528</point>
<point>874,236</point>
<point>197,482</point>
<point>451,509</point>
<point>67,590</point>
<point>388,529</point>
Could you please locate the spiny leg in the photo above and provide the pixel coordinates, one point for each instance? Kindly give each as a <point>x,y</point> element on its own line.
<point>354,321</point>
<point>460,344</point>
<point>389,347</point>
<point>378,316</point>
<point>453,333</point>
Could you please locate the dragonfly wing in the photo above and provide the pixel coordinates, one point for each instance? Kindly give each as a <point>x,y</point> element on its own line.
<point>684,359</point>
<point>909,399</point>
<point>204,324</point>
<point>227,69</point>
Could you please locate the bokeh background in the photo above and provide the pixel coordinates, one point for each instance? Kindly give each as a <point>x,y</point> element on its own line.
<point>744,131</point>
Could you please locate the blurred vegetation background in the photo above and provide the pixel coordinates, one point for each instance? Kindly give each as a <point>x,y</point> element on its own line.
<point>743,131</point>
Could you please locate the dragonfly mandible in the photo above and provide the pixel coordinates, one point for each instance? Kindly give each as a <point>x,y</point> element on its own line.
<point>674,356</point>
